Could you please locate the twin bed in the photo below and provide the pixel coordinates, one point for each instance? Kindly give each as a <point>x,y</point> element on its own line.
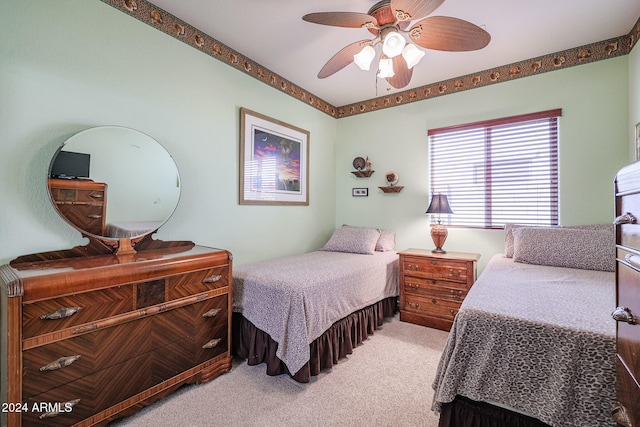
<point>300,314</point>
<point>532,345</point>
<point>534,335</point>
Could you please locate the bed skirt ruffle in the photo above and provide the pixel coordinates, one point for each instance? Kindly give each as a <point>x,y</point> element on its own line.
<point>338,341</point>
<point>464,412</point>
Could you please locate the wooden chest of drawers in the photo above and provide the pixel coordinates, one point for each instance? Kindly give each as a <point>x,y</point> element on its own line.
<point>627,313</point>
<point>432,286</point>
<point>83,203</point>
<point>91,339</point>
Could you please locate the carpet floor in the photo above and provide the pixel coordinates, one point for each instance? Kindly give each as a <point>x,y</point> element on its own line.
<point>385,382</point>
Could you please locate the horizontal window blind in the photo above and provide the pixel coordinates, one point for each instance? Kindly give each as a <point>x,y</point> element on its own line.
<point>498,171</point>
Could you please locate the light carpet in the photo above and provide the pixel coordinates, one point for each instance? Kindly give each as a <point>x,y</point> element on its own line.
<point>385,382</point>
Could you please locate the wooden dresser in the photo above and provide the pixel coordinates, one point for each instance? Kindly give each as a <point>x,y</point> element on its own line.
<point>87,339</point>
<point>82,202</point>
<point>627,313</point>
<point>432,286</point>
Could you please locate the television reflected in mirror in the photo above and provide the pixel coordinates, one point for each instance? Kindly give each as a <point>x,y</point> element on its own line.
<point>70,165</point>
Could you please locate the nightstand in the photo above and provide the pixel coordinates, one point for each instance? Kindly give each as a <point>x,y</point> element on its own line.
<point>433,286</point>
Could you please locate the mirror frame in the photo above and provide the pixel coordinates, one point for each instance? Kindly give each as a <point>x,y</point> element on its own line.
<point>113,244</point>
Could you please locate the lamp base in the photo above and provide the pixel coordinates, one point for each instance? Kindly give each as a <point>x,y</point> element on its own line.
<point>439,235</point>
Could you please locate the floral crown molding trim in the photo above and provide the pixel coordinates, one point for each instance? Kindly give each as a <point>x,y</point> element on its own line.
<point>163,21</point>
<point>557,61</point>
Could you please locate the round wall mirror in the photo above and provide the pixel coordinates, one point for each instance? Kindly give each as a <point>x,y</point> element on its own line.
<point>113,182</point>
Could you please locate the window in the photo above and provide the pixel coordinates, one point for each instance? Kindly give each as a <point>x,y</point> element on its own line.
<point>498,171</point>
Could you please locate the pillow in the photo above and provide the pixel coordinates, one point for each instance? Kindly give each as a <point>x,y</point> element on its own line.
<point>508,238</point>
<point>355,240</point>
<point>508,233</point>
<point>387,241</point>
<point>565,247</point>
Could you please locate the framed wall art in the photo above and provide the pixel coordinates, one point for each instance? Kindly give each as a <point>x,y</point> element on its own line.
<point>274,161</point>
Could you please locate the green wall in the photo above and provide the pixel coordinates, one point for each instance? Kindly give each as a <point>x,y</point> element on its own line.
<point>69,65</point>
<point>593,146</point>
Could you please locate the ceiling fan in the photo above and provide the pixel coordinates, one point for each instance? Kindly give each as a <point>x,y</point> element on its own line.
<point>389,21</point>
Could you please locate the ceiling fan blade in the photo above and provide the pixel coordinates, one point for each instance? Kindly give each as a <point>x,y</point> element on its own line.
<point>402,75</point>
<point>341,19</point>
<point>415,9</point>
<point>449,34</point>
<point>341,59</point>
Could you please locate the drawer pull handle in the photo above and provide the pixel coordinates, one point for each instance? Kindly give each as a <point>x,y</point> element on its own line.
<point>212,313</point>
<point>435,301</point>
<point>620,415</point>
<point>413,267</point>
<point>62,408</point>
<point>212,279</point>
<point>411,305</point>
<point>61,313</point>
<point>622,314</point>
<point>634,260</point>
<point>94,216</point>
<point>211,344</point>
<point>96,196</point>
<point>414,285</point>
<point>60,363</point>
<point>626,218</point>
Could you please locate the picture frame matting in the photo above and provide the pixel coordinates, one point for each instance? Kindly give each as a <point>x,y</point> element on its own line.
<point>274,161</point>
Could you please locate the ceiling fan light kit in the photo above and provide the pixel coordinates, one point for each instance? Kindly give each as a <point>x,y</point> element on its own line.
<point>364,58</point>
<point>412,55</point>
<point>388,20</point>
<point>385,68</point>
<point>392,44</point>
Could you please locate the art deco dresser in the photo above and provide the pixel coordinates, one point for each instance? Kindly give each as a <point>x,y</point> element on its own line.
<point>627,313</point>
<point>91,337</point>
<point>96,332</point>
<point>433,286</point>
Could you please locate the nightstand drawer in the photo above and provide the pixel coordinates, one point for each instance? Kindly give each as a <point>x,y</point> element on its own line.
<point>431,307</point>
<point>436,269</point>
<point>438,289</point>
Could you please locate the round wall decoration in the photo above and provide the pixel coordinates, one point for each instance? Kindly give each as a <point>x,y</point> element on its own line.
<point>359,163</point>
<point>392,178</point>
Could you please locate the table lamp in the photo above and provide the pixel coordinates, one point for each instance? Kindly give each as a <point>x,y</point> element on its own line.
<point>439,205</point>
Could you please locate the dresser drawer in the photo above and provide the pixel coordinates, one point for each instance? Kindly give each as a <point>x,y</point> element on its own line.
<point>87,217</point>
<point>436,269</point>
<point>102,389</point>
<point>106,347</point>
<point>630,234</point>
<point>197,282</point>
<point>628,336</point>
<point>74,310</point>
<point>627,392</point>
<point>441,308</point>
<point>78,195</point>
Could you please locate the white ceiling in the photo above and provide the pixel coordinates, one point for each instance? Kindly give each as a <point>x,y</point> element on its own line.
<point>272,33</point>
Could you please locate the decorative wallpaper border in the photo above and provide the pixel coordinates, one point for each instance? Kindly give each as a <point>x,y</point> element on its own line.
<point>171,25</point>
